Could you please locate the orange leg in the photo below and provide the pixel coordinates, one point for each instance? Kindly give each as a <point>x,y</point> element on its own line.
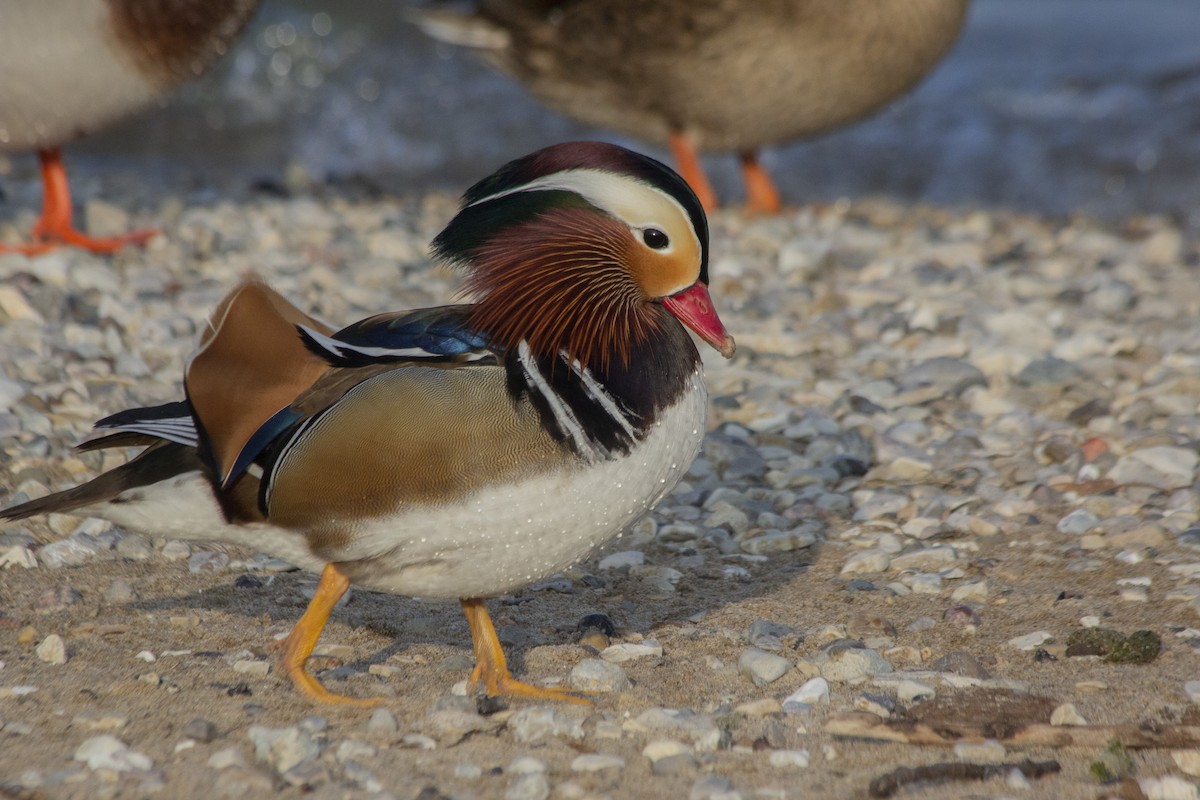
<point>491,668</point>
<point>761,195</point>
<point>299,644</point>
<point>54,228</point>
<point>688,161</point>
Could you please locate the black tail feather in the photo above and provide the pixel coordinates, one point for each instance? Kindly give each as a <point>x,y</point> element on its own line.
<point>158,462</point>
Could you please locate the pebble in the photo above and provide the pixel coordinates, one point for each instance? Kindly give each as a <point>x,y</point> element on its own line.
<point>227,757</point>
<point>909,691</point>
<point>629,651</point>
<point>529,787</point>
<point>1188,761</point>
<point>851,664</point>
<point>989,751</point>
<point>119,592</point>
<point>532,723</point>
<point>1031,641</point>
<point>207,561</point>
<point>1067,714</point>
<point>73,551</point>
<point>109,752</point>
<point>700,729</point>
<point>282,748</point>
<point>762,667</point>
<point>52,650</point>
<point>793,759</point>
<point>1168,787</point>
<point>1192,690</point>
<point>201,730</point>
<point>134,547</point>
<point>814,691</point>
<point>100,721</point>
<point>867,562</point>
<point>176,550</point>
<point>622,560</point>
<point>1162,467</point>
<point>18,556</point>
<point>669,757</point>
<point>595,762</point>
<point>595,675</point>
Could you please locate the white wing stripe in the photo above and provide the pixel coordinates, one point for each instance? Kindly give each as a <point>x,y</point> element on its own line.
<point>562,413</point>
<point>601,395</point>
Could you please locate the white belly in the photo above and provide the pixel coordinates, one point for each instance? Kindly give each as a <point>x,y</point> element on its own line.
<point>183,507</point>
<point>61,74</point>
<point>505,538</point>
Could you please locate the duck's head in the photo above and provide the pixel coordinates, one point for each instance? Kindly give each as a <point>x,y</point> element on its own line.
<point>582,248</point>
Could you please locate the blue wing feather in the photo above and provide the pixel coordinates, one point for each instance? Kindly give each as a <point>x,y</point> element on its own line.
<point>425,335</point>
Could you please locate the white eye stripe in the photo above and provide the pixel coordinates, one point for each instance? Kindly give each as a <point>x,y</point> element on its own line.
<point>636,203</point>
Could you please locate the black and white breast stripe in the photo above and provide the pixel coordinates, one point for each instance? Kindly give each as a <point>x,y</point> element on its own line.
<point>575,407</point>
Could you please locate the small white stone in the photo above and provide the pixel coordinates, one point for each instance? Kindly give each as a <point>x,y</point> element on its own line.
<point>665,748</point>
<point>970,591</point>
<point>1162,467</point>
<point>594,762</point>
<point>762,667</point>
<point>594,675</point>
<point>909,691</point>
<point>1067,714</point>
<point>527,765</point>
<point>1192,689</point>
<point>925,583</point>
<point>1168,787</point>
<point>628,651</point>
<point>814,692</point>
<point>626,558</point>
<point>789,758</point>
<point>989,751</point>
<point>1031,641</point>
<point>253,667</point>
<point>866,561</point>
<point>228,757</point>
<point>1188,761</point>
<point>52,650</point>
<point>1090,621</point>
<point>109,752</point>
<point>176,550</point>
<point>18,556</point>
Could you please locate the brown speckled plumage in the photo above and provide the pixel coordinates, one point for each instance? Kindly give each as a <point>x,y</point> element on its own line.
<point>733,75</point>
<point>175,40</point>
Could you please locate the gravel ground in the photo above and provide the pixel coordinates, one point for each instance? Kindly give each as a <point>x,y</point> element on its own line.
<point>950,442</point>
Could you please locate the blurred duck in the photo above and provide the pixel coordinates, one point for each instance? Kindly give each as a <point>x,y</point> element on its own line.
<point>71,67</point>
<point>723,75</point>
<point>461,451</point>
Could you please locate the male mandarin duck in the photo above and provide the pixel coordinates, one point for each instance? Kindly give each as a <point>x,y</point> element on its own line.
<point>461,451</point>
<point>714,76</point>
<point>70,67</point>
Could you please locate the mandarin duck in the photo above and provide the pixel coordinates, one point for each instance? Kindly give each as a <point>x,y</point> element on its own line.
<point>461,451</point>
<point>715,76</point>
<point>70,67</point>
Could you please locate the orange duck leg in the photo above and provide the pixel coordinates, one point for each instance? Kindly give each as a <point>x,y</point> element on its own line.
<point>54,229</point>
<point>761,195</point>
<point>688,161</point>
<point>298,646</point>
<point>491,668</point>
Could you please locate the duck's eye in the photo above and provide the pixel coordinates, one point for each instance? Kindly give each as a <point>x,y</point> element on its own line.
<point>655,239</point>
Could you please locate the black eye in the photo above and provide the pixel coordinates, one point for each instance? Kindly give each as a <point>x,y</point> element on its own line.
<point>655,239</point>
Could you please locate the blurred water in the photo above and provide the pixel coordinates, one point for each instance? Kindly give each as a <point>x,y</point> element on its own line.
<point>1046,105</point>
